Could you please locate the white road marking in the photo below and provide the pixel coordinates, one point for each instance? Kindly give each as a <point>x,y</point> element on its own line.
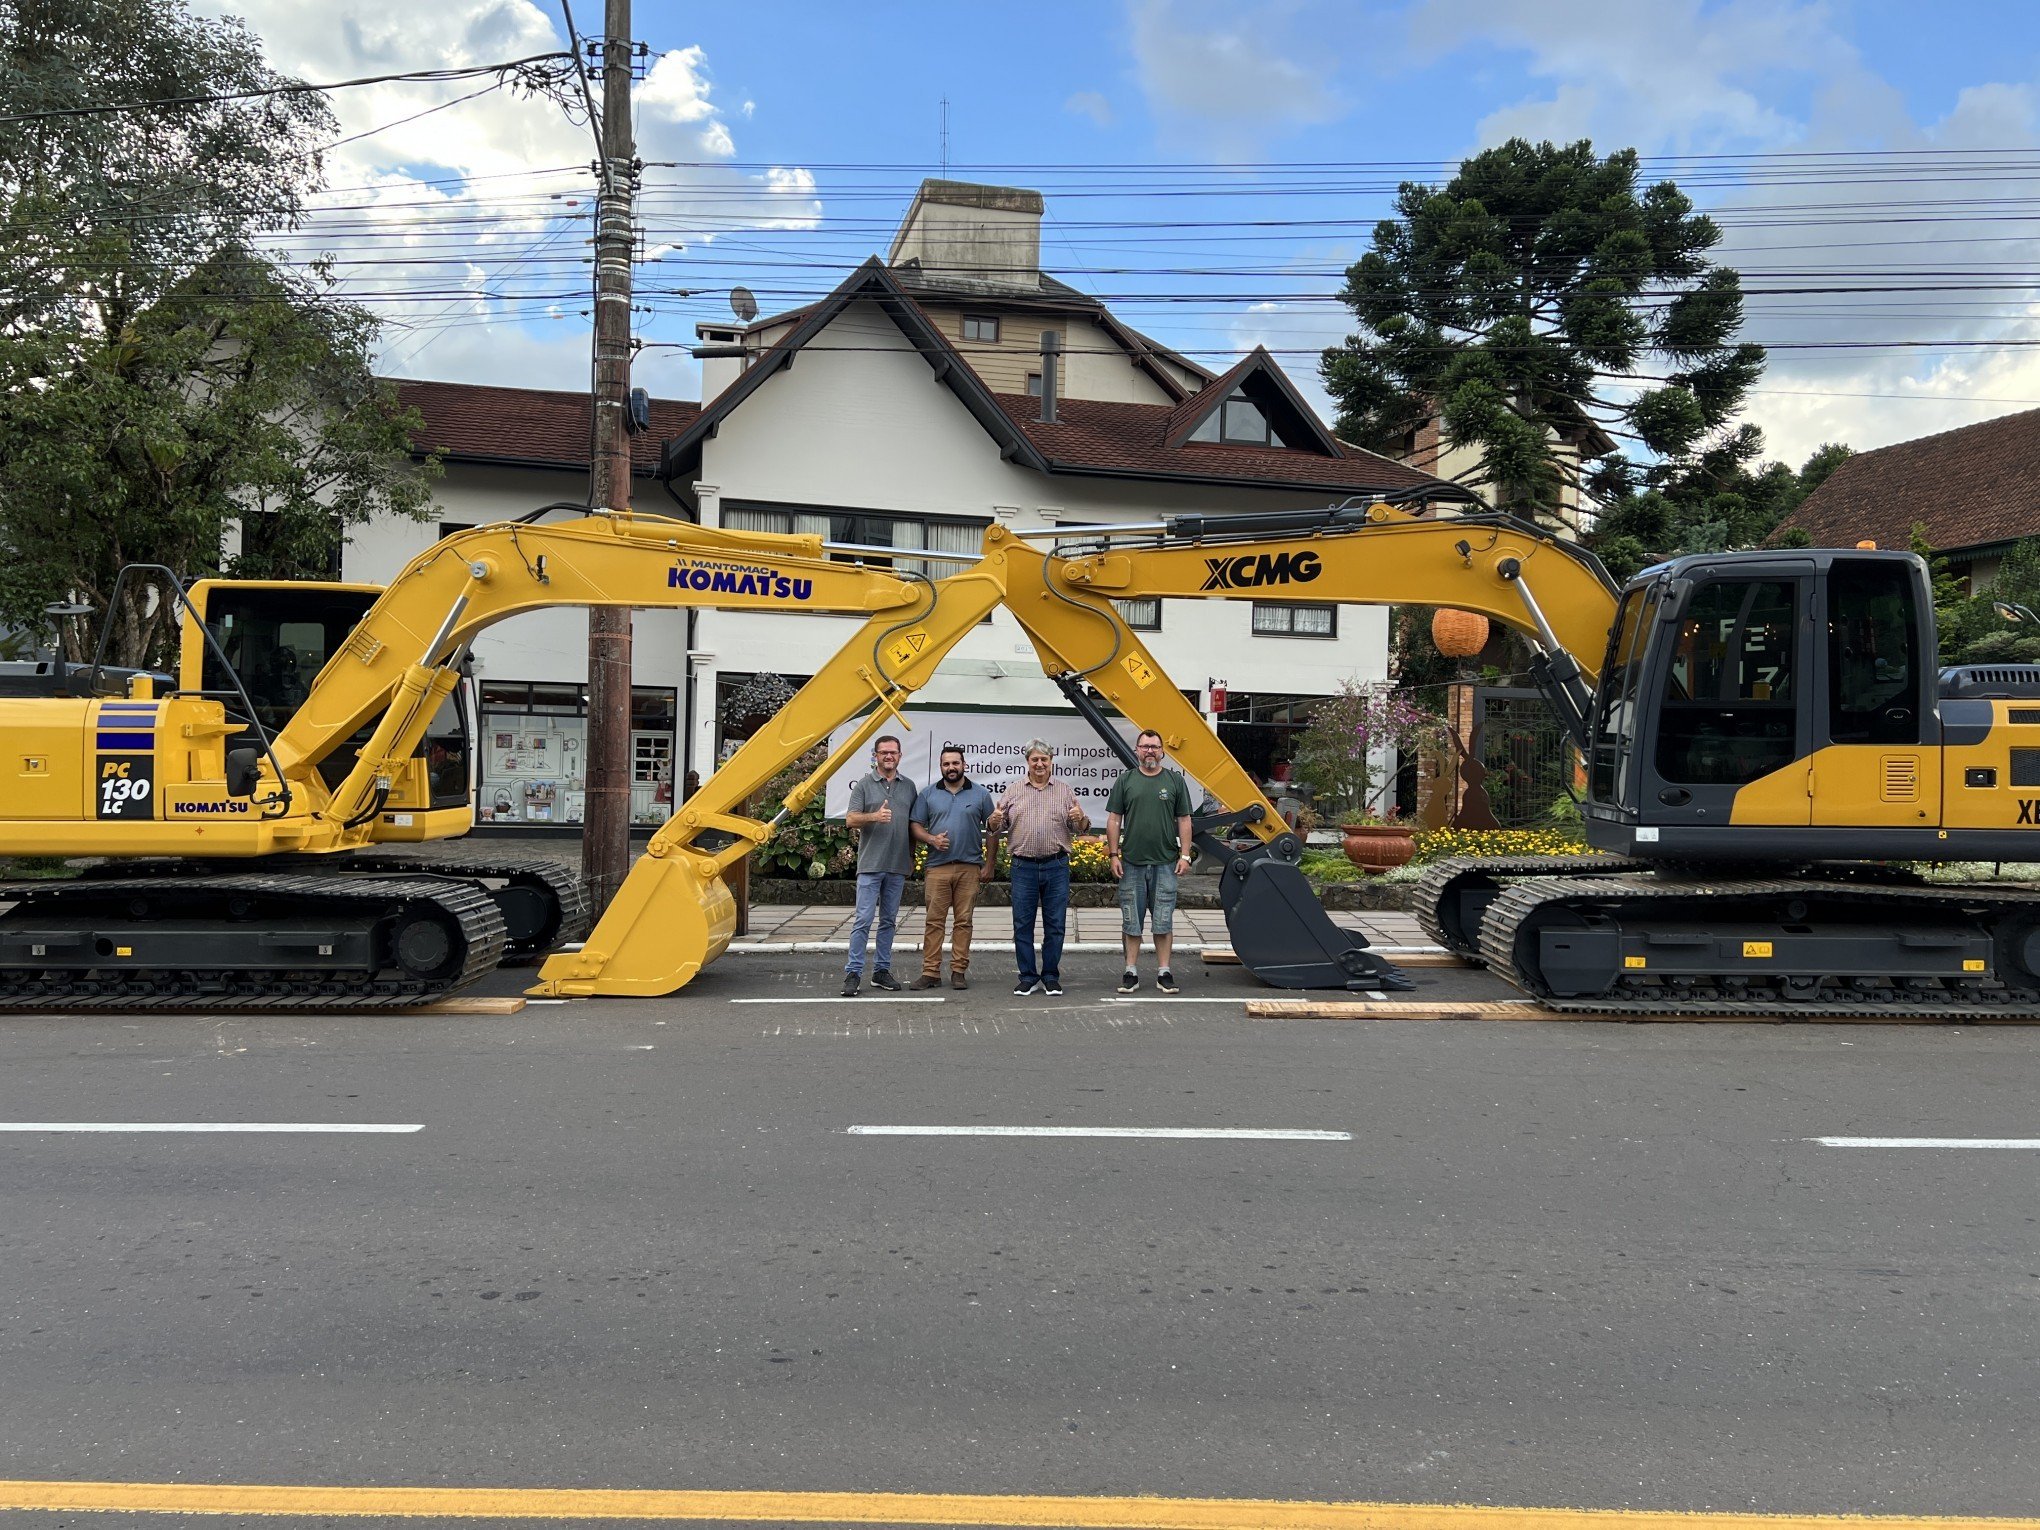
<point>867,1003</point>
<point>1255,1134</point>
<point>2032,1143</point>
<point>547,1001</point>
<point>1165,998</point>
<point>202,1126</point>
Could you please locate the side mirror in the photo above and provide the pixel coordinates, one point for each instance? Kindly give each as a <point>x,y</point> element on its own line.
<point>244,770</point>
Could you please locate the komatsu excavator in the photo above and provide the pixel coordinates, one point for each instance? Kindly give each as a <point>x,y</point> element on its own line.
<point>1765,735</point>
<point>238,806</point>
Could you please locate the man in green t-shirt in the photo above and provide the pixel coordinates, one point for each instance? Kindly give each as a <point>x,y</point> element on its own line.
<point>1147,831</point>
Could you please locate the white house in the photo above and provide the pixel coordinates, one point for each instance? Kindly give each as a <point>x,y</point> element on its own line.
<point>949,386</point>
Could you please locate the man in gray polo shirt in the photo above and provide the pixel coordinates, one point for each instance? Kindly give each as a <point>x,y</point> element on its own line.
<point>882,812</point>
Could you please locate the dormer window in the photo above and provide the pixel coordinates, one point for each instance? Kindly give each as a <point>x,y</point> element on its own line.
<point>978,326</point>
<point>1238,421</point>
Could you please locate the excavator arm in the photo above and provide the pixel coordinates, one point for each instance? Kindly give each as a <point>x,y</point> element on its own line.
<point>674,914</point>
<point>1506,569</point>
<point>1552,591</point>
<point>402,658</point>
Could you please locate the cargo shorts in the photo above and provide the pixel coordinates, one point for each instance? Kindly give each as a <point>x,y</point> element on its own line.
<point>1147,891</point>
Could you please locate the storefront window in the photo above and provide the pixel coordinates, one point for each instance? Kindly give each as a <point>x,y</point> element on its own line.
<point>534,740</point>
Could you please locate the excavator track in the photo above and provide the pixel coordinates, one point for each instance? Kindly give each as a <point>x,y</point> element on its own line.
<point>543,904</point>
<point>1452,894</point>
<point>263,941</point>
<point>1805,947</point>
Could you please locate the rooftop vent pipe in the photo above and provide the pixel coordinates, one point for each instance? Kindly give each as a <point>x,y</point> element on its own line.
<point>1051,352</point>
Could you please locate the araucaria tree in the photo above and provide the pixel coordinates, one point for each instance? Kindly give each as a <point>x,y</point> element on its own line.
<point>1541,304</point>
<point>161,375</point>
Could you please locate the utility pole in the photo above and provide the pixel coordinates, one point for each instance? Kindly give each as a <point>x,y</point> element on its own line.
<point>605,832</point>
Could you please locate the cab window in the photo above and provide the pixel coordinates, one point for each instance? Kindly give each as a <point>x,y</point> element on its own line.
<point>1730,694</point>
<point>1873,654</point>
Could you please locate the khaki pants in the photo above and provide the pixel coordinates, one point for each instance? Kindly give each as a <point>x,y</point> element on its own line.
<point>954,886</point>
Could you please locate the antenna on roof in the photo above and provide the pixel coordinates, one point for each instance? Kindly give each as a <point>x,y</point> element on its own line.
<point>742,304</point>
<point>945,138</point>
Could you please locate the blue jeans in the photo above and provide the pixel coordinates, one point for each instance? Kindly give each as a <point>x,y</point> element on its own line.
<point>1044,885</point>
<point>878,892</point>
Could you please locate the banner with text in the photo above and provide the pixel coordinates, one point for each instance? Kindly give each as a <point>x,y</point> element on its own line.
<point>994,746</point>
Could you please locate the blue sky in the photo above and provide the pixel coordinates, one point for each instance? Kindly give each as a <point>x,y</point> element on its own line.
<point>1171,137</point>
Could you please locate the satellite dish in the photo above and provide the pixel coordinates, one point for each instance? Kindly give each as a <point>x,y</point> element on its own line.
<point>742,304</point>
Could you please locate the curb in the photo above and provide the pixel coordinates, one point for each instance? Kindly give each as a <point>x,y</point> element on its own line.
<point>1082,948</point>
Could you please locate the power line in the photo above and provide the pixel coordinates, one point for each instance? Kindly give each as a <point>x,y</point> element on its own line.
<point>291,88</point>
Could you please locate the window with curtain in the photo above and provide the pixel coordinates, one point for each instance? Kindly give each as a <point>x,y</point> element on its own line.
<point>1295,621</point>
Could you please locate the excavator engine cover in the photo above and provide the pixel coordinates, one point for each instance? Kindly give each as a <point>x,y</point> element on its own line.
<point>1282,934</point>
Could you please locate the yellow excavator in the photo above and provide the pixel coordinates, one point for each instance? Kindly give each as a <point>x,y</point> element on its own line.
<point>239,805</point>
<point>1769,747</point>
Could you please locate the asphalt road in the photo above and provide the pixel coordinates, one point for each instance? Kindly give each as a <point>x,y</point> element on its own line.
<point>635,1245</point>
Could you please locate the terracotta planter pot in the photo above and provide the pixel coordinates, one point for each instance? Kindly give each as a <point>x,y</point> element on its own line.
<point>1378,847</point>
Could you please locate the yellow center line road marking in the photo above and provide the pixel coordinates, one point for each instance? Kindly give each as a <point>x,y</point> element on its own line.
<point>907,1509</point>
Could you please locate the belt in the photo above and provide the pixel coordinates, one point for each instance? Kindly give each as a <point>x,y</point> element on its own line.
<point>1059,855</point>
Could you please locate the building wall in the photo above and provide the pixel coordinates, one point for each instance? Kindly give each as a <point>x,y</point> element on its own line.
<point>874,431</point>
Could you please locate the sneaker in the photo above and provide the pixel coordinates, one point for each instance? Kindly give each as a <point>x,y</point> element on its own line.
<point>1053,988</point>
<point>958,980</point>
<point>1166,981</point>
<point>925,980</point>
<point>883,978</point>
<point>849,985</point>
<point>1024,987</point>
<point>1129,981</point>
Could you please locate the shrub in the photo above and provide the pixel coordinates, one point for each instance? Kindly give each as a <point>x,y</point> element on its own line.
<point>1438,844</point>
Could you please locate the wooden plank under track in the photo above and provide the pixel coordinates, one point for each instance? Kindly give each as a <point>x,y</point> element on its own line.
<point>1526,1009</point>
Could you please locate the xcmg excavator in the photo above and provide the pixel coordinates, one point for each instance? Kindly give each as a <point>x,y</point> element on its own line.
<point>1765,733</point>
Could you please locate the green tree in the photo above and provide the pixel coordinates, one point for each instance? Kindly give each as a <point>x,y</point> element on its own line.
<point>1972,628</point>
<point>1718,502</point>
<point>161,377</point>
<point>1540,291</point>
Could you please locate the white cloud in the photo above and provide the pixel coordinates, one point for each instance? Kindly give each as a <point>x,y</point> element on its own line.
<point>1677,76</point>
<point>1089,103</point>
<point>510,207</point>
<point>1212,67</point>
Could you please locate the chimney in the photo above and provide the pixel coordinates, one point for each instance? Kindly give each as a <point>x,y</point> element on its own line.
<point>1051,350</point>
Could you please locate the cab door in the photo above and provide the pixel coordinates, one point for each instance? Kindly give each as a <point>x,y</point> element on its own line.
<point>1879,761</point>
<point>1733,709</point>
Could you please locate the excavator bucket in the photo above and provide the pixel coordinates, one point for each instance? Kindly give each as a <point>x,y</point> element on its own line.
<point>1282,934</point>
<point>668,921</point>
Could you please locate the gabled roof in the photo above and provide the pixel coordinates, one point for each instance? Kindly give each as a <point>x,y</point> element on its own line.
<point>1264,383</point>
<point>1101,438</point>
<point>525,427</point>
<point>875,282</point>
<point>1090,438</point>
<point>1970,487</point>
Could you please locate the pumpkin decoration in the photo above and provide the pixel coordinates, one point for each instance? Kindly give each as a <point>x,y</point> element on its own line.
<point>1458,634</point>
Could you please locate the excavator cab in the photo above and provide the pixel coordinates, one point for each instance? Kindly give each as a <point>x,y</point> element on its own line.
<point>1733,682</point>
<point>277,637</point>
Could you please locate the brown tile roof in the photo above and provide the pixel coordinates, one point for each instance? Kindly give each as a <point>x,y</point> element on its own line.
<point>526,425</point>
<point>1969,487</point>
<point>1132,438</point>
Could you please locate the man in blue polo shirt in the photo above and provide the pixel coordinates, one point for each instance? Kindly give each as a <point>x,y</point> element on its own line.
<point>949,818</point>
